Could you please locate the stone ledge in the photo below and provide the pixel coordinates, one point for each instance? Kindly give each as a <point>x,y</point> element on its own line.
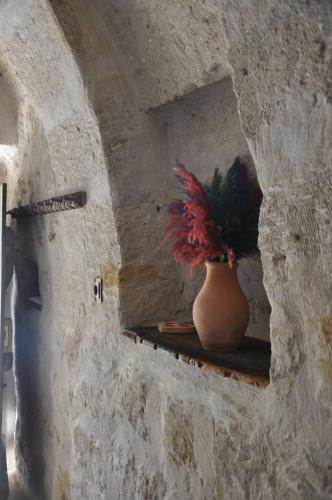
<point>249,364</point>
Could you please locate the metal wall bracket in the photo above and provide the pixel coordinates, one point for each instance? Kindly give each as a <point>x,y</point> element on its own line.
<point>57,204</point>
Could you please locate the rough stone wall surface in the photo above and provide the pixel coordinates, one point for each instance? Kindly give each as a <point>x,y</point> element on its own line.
<point>171,47</point>
<point>99,417</point>
<point>57,348</point>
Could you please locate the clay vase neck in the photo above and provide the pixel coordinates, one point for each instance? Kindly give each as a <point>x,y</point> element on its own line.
<point>221,310</point>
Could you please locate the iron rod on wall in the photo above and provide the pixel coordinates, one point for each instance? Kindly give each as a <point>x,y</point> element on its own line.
<point>56,204</point>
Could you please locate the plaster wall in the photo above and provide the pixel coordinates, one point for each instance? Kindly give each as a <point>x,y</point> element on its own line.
<point>100,417</point>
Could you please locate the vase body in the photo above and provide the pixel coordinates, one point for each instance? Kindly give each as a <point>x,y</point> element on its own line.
<point>221,310</point>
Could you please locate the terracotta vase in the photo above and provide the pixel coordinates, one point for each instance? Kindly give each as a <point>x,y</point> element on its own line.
<point>221,310</point>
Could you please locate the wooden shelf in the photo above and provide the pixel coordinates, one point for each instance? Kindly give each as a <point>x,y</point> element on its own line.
<point>250,363</point>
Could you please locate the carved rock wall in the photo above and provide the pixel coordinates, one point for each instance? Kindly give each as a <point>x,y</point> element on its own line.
<point>98,417</point>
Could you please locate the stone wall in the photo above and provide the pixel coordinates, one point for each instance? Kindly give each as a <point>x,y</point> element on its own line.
<point>56,348</point>
<point>100,417</point>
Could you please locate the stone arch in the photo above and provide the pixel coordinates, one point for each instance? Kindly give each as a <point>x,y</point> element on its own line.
<point>132,107</point>
<point>59,150</point>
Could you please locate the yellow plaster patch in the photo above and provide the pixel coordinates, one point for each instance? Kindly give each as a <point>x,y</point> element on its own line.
<point>110,275</point>
<point>324,364</point>
<point>122,277</point>
<point>62,485</point>
<point>324,323</point>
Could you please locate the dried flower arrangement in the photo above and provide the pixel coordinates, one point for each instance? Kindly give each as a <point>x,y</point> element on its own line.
<point>217,223</point>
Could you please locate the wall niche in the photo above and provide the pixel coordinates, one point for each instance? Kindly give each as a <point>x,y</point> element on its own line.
<point>201,130</point>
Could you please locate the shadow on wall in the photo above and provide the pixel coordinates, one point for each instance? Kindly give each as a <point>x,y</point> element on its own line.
<point>29,437</point>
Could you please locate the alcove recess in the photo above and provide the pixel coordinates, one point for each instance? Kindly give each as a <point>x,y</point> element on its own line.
<point>201,130</point>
